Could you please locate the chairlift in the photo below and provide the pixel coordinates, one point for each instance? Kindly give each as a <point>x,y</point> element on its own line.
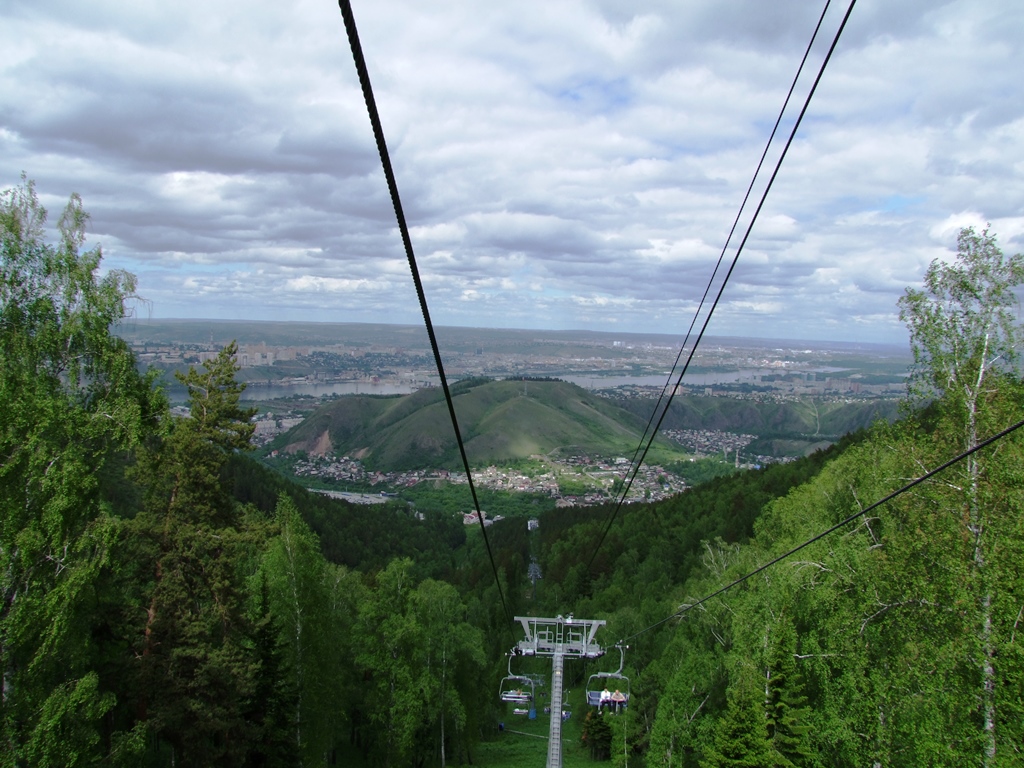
<point>517,689</point>
<point>598,683</point>
<point>566,707</point>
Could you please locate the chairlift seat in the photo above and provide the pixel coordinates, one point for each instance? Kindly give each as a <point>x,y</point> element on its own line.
<point>518,697</point>
<point>599,681</point>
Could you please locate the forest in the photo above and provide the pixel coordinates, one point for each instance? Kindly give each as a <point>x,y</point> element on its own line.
<point>169,601</point>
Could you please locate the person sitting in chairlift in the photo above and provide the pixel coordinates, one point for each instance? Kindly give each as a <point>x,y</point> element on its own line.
<point>618,701</point>
<point>606,700</point>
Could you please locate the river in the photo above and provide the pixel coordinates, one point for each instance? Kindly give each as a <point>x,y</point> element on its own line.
<point>275,391</point>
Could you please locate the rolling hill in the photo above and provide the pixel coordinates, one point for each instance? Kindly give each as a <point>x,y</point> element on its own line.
<point>806,417</point>
<point>501,421</point>
<point>786,428</point>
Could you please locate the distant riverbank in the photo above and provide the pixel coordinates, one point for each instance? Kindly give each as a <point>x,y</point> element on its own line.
<point>278,390</point>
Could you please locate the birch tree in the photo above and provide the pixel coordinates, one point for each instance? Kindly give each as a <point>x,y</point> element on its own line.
<point>451,649</point>
<point>965,337</point>
<point>71,399</point>
<point>301,601</point>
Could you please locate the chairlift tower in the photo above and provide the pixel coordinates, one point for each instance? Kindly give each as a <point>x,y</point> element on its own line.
<point>559,638</point>
<point>533,574</point>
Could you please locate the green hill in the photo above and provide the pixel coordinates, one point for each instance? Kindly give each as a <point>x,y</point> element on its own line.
<point>501,421</point>
<point>785,428</point>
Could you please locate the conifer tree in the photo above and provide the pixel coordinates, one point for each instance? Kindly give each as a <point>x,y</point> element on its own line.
<point>741,735</point>
<point>786,703</point>
<point>597,736</point>
<point>197,667</point>
<point>274,700</point>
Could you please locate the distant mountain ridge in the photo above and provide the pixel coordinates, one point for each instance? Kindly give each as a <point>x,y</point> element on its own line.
<point>828,419</point>
<point>500,421</point>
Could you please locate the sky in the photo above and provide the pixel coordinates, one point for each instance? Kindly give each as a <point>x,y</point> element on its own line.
<point>563,164</point>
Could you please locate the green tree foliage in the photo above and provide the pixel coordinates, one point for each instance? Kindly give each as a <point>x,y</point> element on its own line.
<point>741,736</point>
<point>391,641</point>
<point>358,536</point>
<point>151,615</point>
<point>301,589</point>
<point>72,400</point>
<point>167,601</point>
<point>903,631</point>
<point>965,338</point>
<point>597,735</point>
<point>422,663</point>
<point>695,687</point>
<point>194,640</point>
<point>786,703</point>
<point>452,657</point>
<point>962,325</point>
<point>275,700</point>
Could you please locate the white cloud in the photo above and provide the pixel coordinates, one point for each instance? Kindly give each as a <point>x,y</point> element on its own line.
<point>572,164</point>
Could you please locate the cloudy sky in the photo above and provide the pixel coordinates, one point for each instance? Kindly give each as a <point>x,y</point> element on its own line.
<point>563,164</point>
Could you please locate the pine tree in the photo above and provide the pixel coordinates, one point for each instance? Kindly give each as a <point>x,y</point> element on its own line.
<point>197,667</point>
<point>597,736</point>
<point>274,699</point>
<point>741,735</point>
<point>786,703</point>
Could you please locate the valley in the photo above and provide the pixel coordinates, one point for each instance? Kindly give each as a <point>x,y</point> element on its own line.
<point>552,441</point>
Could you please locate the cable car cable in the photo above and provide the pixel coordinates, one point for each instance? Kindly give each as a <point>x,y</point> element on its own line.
<point>739,249</point>
<point>846,521</point>
<point>728,274</point>
<point>725,247</point>
<point>389,175</point>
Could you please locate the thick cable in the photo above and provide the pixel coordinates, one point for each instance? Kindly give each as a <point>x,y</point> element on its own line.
<point>389,175</point>
<point>725,247</point>
<point>728,274</point>
<point>842,523</point>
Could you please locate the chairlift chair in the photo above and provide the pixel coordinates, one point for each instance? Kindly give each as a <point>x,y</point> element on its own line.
<point>566,707</point>
<point>599,681</point>
<point>517,689</point>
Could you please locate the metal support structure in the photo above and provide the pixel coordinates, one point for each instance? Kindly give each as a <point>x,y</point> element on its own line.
<point>533,574</point>
<point>559,638</point>
<point>566,635</point>
<point>555,730</point>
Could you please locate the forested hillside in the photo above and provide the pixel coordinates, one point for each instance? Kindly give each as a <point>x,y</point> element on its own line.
<point>507,421</point>
<point>501,421</point>
<point>789,427</point>
<point>165,601</point>
<point>895,640</point>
